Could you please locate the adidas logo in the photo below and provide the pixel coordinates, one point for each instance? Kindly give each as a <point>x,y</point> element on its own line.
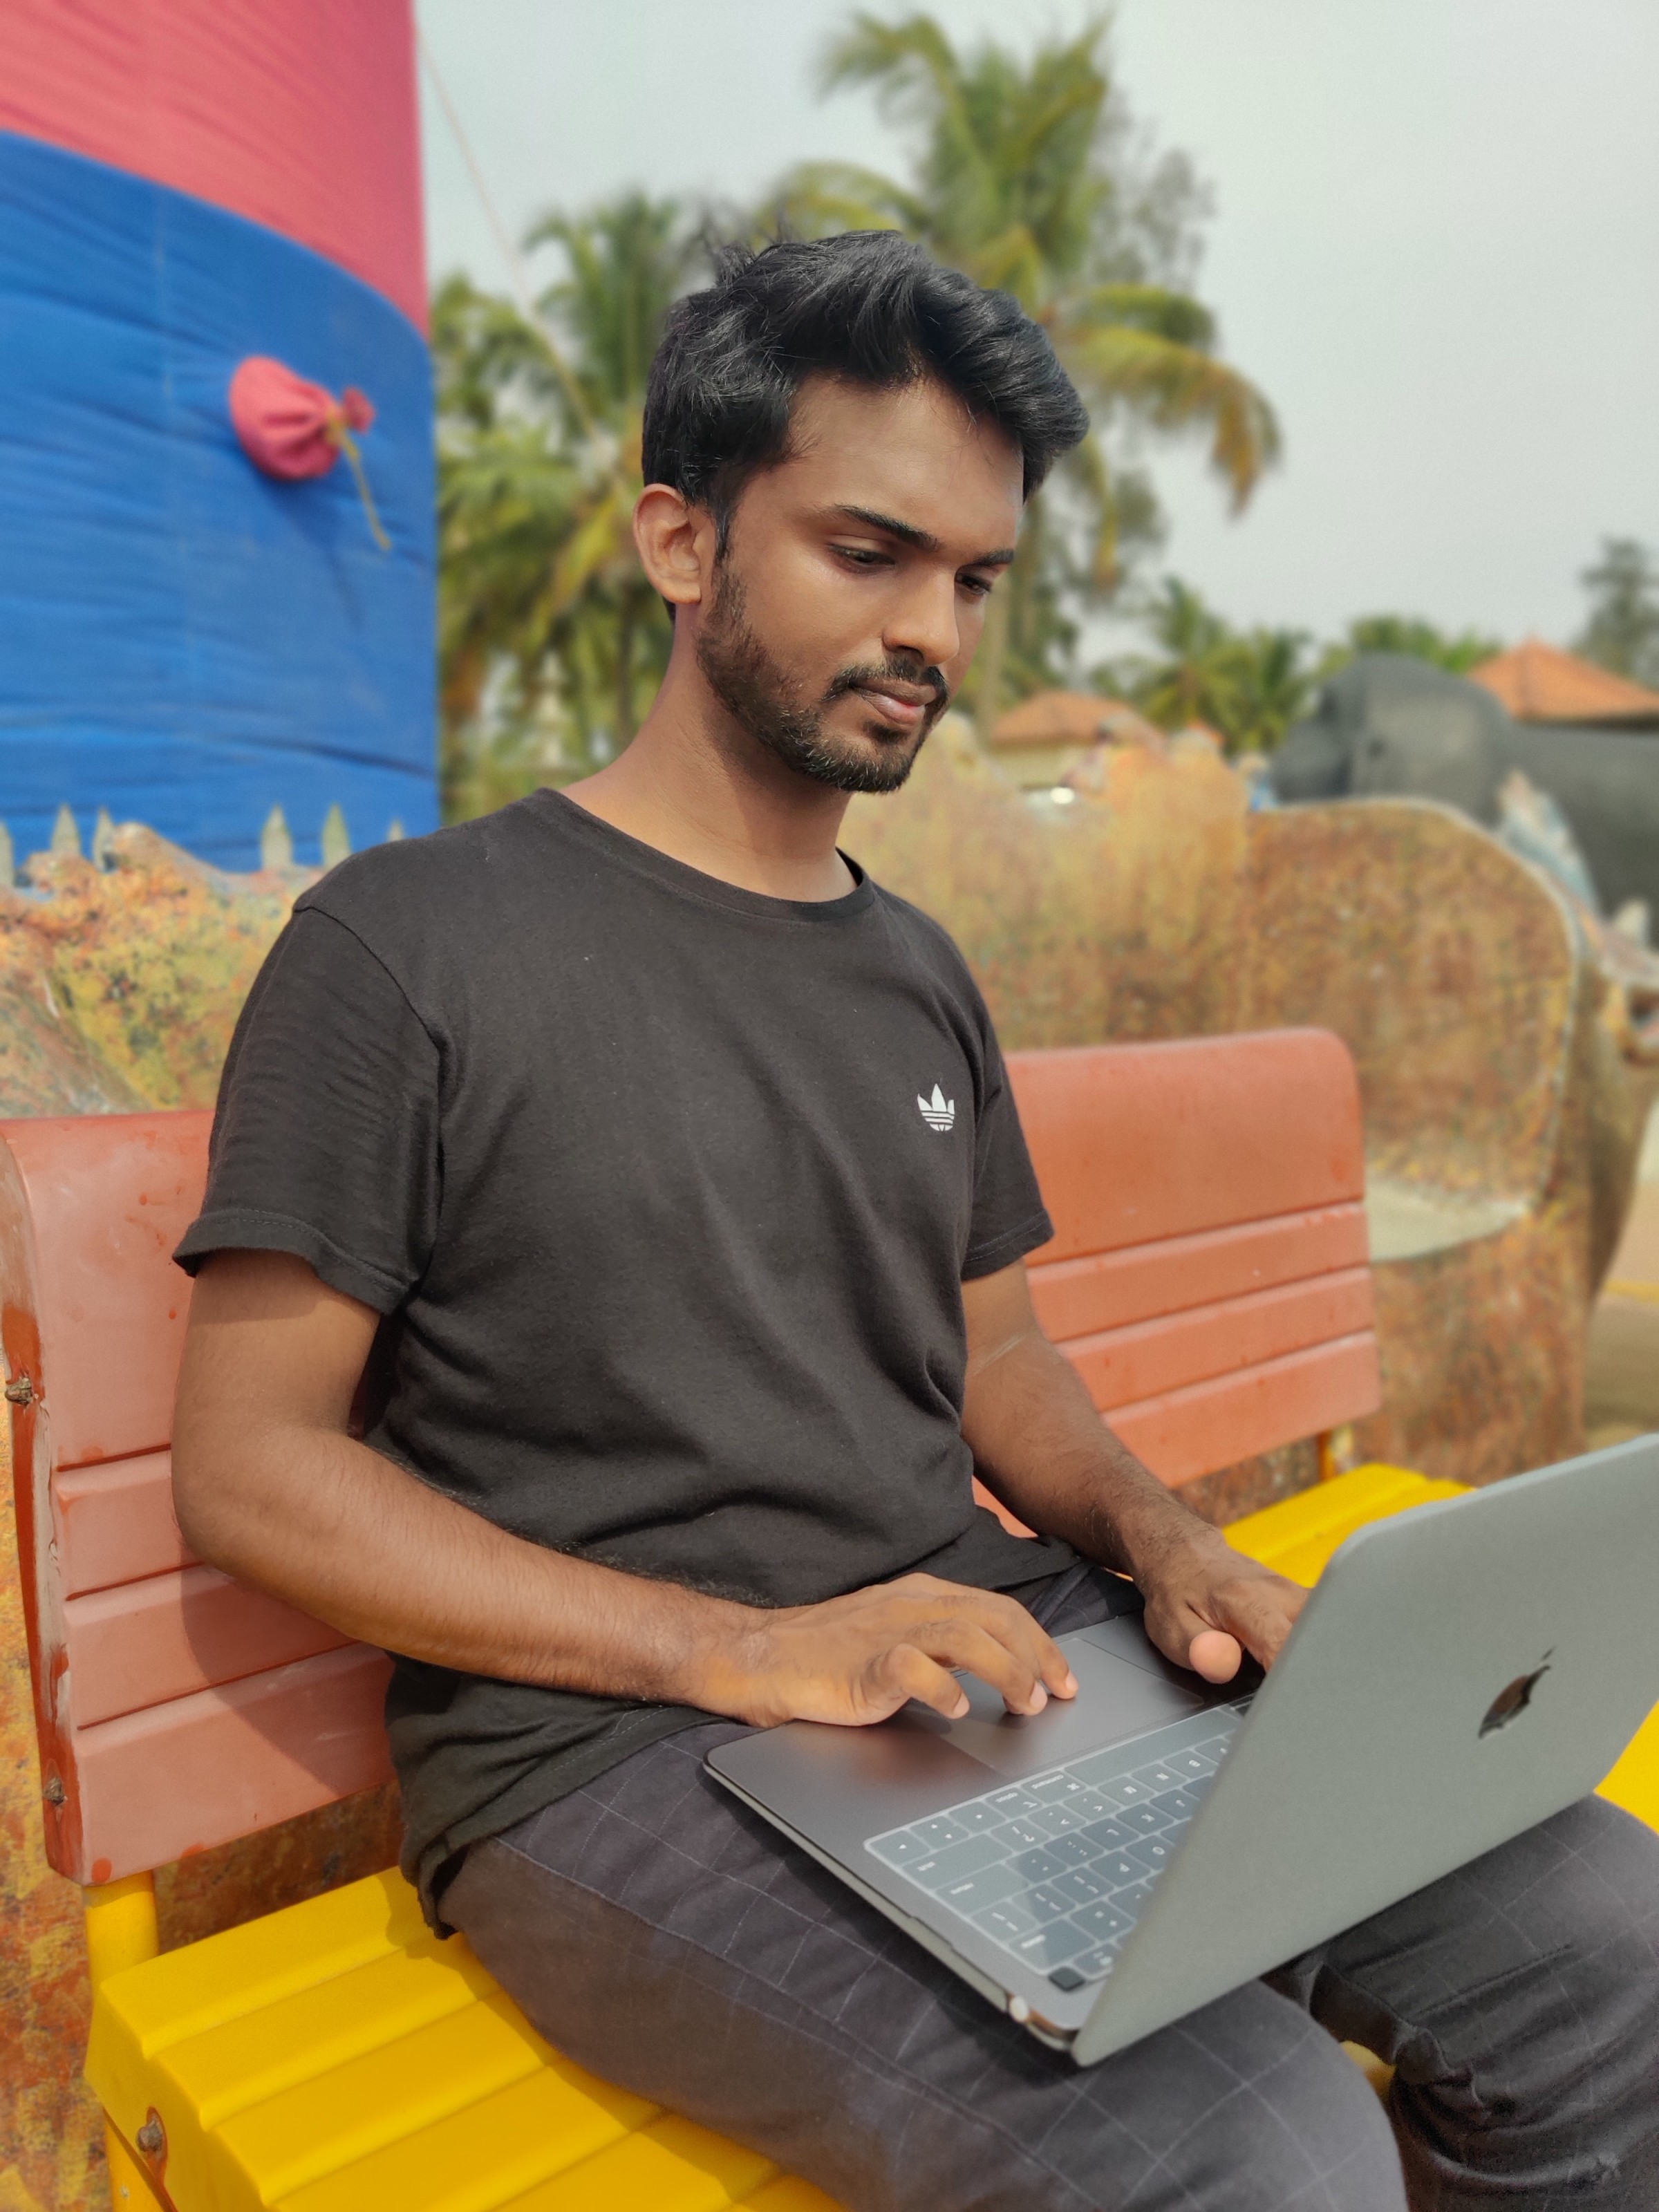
<point>939,1112</point>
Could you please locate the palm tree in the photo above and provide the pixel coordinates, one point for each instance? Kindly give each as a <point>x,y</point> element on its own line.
<point>1019,178</point>
<point>550,637</point>
<point>1247,685</point>
<point>1456,652</point>
<point>1275,688</point>
<point>1196,676</point>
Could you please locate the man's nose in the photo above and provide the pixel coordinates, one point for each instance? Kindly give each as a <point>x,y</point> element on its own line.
<point>926,622</point>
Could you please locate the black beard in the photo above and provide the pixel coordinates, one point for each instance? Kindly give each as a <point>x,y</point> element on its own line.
<point>758,694</point>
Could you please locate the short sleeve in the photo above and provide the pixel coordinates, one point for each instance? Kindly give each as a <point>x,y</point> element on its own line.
<point>326,1143</point>
<point>1009,1219</point>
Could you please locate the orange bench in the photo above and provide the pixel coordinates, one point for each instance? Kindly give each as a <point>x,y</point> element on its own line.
<point>1208,1277</point>
<point>1209,1274</point>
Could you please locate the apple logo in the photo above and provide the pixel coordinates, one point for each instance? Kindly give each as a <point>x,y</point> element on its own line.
<point>1515,1697</point>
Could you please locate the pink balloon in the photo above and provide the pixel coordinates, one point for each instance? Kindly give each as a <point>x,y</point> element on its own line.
<point>288,426</point>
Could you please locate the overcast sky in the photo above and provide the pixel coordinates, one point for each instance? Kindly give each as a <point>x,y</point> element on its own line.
<point>1434,246</point>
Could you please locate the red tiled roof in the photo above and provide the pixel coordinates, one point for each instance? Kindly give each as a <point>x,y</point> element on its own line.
<point>1072,718</point>
<point>1538,683</point>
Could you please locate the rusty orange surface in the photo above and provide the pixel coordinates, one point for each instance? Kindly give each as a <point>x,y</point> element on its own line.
<point>119,987</point>
<point>1158,906</point>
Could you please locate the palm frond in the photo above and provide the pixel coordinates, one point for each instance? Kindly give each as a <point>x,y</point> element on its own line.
<point>820,199</point>
<point>1175,387</point>
<point>1173,315</point>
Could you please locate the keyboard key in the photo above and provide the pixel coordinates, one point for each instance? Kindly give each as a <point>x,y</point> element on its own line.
<point>1078,1973</point>
<point>1155,1778</point>
<point>1091,1805</point>
<point>1109,1835</point>
<point>1133,1901</point>
<point>901,1849</point>
<point>974,1891</point>
<point>1197,1786</point>
<point>976,1818</point>
<point>1126,1791</point>
<point>1176,1804</point>
<point>1190,1763</point>
<point>969,1858</point>
<point>1098,1923</point>
<point>1153,1853</point>
<point>1038,1865</point>
<point>1145,1820</point>
<point>1052,1947</point>
<point>1021,1831</point>
<point>1055,1789</point>
<point>1099,1770</point>
<point>1082,1885</point>
<point>1007,1802</point>
<point>1055,1820</point>
<point>1046,1903</point>
<point>940,1830</point>
<point>1008,1922</point>
<point>1075,1849</point>
<point>1116,1869</point>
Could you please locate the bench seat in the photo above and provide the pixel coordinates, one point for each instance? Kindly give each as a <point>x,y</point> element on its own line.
<point>335,2057</point>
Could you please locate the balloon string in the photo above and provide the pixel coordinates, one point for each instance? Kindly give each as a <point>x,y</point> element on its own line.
<point>340,436</point>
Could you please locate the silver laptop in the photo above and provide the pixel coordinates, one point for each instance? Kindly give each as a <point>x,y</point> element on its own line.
<point>1103,1866</point>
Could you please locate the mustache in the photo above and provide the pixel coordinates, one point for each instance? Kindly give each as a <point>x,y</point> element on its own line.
<point>896,671</point>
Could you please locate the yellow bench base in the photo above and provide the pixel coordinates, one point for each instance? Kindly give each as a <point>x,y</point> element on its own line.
<point>334,2058</point>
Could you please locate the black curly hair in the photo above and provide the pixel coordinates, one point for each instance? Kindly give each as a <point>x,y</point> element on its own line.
<point>868,306</point>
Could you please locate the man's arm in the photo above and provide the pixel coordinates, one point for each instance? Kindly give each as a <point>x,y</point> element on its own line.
<point>269,1485</point>
<point>1038,1442</point>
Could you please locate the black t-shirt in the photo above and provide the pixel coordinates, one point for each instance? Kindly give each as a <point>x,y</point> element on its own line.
<point>667,1191</point>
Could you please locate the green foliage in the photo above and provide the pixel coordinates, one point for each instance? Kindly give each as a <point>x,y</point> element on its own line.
<point>551,642</point>
<point>1251,686</point>
<point>1247,685</point>
<point>1027,175</point>
<point>1622,633</point>
<point>1456,652</point>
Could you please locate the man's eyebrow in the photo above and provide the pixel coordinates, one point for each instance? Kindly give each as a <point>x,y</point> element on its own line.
<point>908,533</point>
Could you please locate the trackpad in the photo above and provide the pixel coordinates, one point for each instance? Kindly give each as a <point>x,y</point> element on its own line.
<point>1115,1698</point>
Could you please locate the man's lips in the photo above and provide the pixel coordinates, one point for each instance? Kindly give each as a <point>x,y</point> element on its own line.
<point>902,704</point>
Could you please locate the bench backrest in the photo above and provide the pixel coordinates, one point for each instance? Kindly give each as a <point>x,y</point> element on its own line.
<point>1208,1277</point>
<point>175,1709</point>
<point>1209,1271</point>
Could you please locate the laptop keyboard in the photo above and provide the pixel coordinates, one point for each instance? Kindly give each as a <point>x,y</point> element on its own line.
<point>1057,1868</point>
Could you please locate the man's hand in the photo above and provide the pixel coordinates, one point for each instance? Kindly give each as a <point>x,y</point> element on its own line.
<point>1207,1604</point>
<point>1037,1440</point>
<point>856,1659</point>
<point>270,1486</point>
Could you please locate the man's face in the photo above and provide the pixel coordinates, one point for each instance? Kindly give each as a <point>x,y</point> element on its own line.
<point>849,598</point>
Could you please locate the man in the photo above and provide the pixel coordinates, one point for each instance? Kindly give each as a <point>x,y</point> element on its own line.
<point>580,1146</point>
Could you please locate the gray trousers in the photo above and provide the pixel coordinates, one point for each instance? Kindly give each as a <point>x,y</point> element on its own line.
<point>663,1935</point>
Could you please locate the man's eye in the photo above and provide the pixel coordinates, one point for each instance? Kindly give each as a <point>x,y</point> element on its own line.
<point>981,587</point>
<point>865,556</point>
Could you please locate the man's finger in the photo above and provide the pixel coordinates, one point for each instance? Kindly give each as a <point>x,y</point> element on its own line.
<point>988,1613</point>
<point>1010,1623</point>
<point>963,1643</point>
<point>1215,1655</point>
<point>902,1672</point>
<point>1260,1613</point>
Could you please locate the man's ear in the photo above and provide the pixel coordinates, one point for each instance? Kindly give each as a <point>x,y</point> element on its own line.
<point>676,544</point>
